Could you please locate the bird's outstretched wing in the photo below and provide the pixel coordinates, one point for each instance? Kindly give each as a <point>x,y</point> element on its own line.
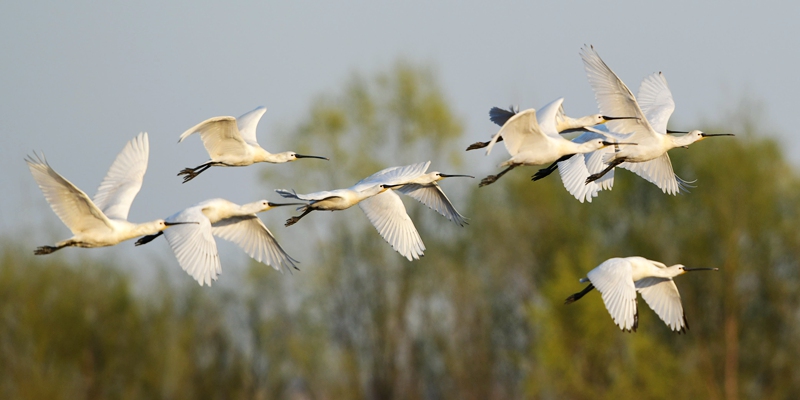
<point>658,171</point>
<point>614,98</point>
<point>433,196</point>
<point>655,100</point>
<point>517,131</point>
<point>249,233</point>
<point>663,297</point>
<point>500,116</point>
<point>388,215</point>
<point>220,137</point>
<point>573,174</point>
<point>194,245</point>
<point>124,179</point>
<point>392,176</point>
<point>248,123</point>
<point>613,278</point>
<point>75,209</point>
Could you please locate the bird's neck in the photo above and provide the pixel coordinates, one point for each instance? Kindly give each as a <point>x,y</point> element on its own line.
<point>261,155</point>
<point>144,229</point>
<point>680,141</point>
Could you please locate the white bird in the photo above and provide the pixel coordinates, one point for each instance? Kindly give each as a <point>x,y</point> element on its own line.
<point>194,245</point>
<point>564,124</point>
<point>383,207</point>
<point>618,280</point>
<point>424,188</point>
<point>649,159</point>
<point>104,220</point>
<point>532,138</point>
<point>231,142</point>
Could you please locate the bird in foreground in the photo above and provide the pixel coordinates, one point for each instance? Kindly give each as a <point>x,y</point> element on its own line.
<point>531,138</point>
<point>649,159</point>
<point>194,245</point>
<point>425,189</point>
<point>383,207</point>
<point>564,124</point>
<point>102,221</point>
<point>618,280</point>
<point>231,142</point>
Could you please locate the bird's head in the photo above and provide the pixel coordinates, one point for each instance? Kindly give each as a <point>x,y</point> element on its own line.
<point>264,205</point>
<point>602,119</point>
<point>288,156</point>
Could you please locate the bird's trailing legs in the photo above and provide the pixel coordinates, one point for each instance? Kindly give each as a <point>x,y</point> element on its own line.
<point>191,173</point>
<point>577,296</point>
<point>42,250</point>
<point>544,172</point>
<point>492,178</point>
<point>293,220</point>
<point>480,145</point>
<point>611,165</point>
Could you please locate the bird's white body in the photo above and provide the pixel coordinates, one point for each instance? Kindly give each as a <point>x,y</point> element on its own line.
<point>649,159</point>
<point>102,221</point>
<point>196,250</point>
<point>618,280</point>
<point>383,207</point>
<point>231,142</point>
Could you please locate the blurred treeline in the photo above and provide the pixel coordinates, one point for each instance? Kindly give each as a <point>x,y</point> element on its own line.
<point>481,316</point>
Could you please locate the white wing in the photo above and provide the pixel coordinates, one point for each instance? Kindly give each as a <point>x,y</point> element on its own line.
<point>658,171</point>
<point>124,179</point>
<point>220,137</point>
<point>613,278</point>
<point>595,163</point>
<point>614,98</point>
<point>249,233</point>
<point>655,100</point>
<point>388,215</point>
<point>71,204</point>
<point>662,296</point>
<point>433,197</point>
<point>392,176</point>
<point>521,128</point>
<point>247,124</point>
<point>194,245</point>
<point>548,117</point>
<point>573,175</point>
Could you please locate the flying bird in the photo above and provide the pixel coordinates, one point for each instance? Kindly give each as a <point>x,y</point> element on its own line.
<point>194,245</point>
<point>649,159</point>
<point>383,207</point>
<point>531,138</point>
<point>102,221</point>
<point>231,142</point>
<point>618,280</point>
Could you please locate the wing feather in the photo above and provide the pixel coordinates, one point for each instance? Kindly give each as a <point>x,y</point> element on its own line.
<point>194,245</point>
<point>220,137</point>
<point>249,233</point>
<point>248,123</point>
<point>613,278</point>
<point>655,101</point>
<point>433,196</point>
<point>388,215</point>
<point>124,179</point>
<point>663,297</point>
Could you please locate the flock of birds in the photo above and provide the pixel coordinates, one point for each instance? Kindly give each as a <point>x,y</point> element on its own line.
<point>630,132</point>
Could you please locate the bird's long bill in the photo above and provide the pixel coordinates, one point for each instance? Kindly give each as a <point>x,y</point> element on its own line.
<point>179,223</point>
<point>705,135</point>
<point>305,156</point>
<point>700,269</point>
<point>392,186</point>
<point>456,176</point>
<point>617,143</point>
<point>271,204</point>
<point>613,118</point>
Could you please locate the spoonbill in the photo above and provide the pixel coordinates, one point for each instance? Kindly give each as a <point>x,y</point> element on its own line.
<point>104,220</point>
<point>618,280</point>
<point>564,124</point>
<point>383,207</point>
<point>425,189</point>
<point>649,159</point>
<point>231,142</point>
<point>531,138</point>
<point>194,245</point>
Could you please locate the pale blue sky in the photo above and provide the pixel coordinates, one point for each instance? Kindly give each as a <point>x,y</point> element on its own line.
<point>79,80</point>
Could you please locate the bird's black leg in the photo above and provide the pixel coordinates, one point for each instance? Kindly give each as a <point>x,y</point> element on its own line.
<point>492,178</point>
<point>191,173</point>
<point>594,177</point>
<point>147,239</point>
<point>42,250</point>
<point>577,296</point>
<point>480,145</point>
<point>544,172</point>
<point>293,220</point>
